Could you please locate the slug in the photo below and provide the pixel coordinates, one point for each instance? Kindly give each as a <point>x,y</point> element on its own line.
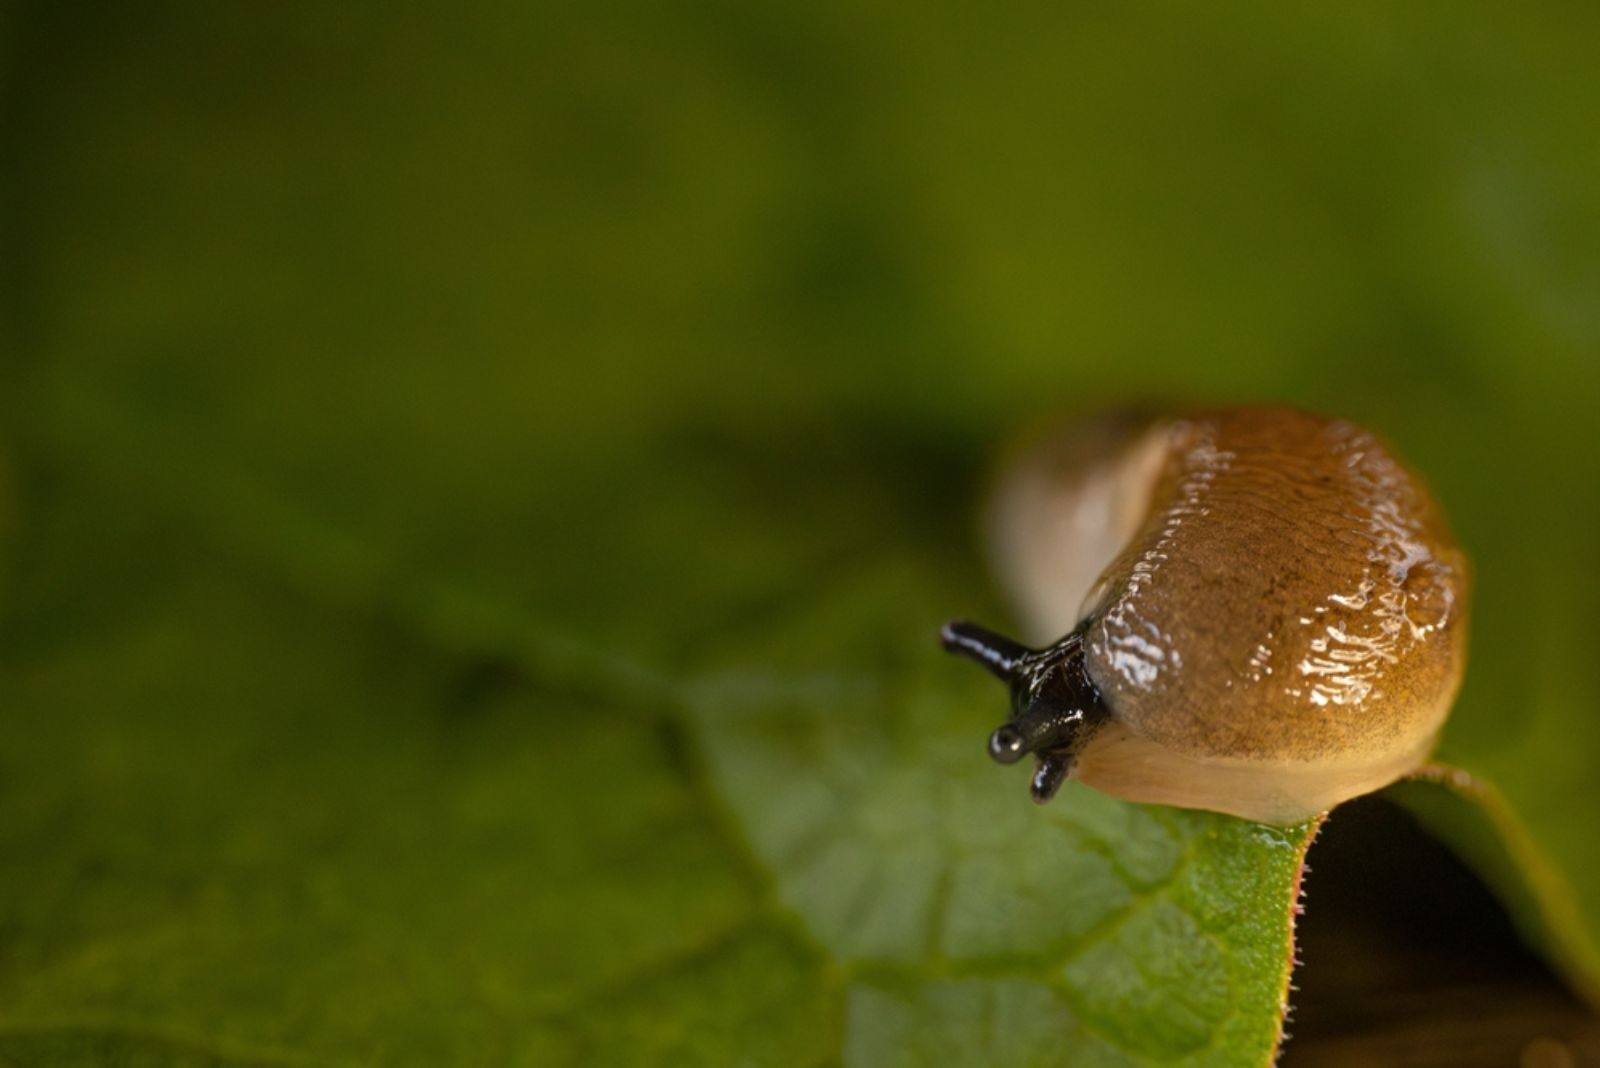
<point>1264,612</point>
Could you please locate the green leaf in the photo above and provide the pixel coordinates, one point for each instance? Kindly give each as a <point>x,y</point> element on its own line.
<point>485,489</point>
<point>290,833</point>
<point>257,830</point>
<point>1139,933</point>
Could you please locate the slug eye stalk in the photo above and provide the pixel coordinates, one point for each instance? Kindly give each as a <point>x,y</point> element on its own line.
<point>1054,705</point>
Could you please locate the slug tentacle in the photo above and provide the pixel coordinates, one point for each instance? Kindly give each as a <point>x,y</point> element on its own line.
<point>1048,775</point>
<point>994,651</point>
<point>1055,706</point>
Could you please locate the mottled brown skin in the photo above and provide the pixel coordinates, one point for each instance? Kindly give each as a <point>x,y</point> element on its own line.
<point>1278,623</point>
<point>1293,594</point>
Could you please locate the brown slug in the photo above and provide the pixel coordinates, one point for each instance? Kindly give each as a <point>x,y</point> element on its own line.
<point>1264,612</point>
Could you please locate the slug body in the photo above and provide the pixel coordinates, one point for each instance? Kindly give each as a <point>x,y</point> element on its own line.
<point>1264,613</point>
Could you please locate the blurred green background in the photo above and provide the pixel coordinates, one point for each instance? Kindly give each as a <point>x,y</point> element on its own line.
<point>408,410</point>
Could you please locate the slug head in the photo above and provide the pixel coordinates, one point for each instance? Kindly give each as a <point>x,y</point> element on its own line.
<point>1055,708</point>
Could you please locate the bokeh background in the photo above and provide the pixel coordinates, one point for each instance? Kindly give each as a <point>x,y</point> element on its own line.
<point>404,405</point>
